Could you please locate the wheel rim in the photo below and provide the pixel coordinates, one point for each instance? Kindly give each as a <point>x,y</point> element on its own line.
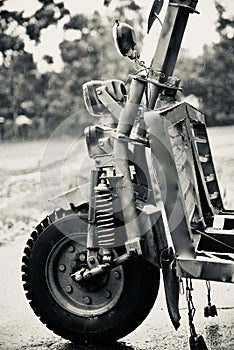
<point>88,299</point>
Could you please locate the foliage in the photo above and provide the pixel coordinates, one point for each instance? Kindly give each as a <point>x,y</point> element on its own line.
<point>210,77</point>
<point>10,42</point>
<point>55,96</point>
<point>21,84</point>
<point>15,89</point>
<point>92,55</point>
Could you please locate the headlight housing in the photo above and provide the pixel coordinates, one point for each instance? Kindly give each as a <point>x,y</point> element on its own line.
<point>115,88</point>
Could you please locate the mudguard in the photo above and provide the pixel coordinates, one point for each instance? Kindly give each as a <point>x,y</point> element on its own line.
<point>171,281</point>
<point>171,286</point>
<point>77,196</point>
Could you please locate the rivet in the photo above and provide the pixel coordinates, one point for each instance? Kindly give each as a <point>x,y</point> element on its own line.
<point>69,289</point>
<point>92,261</point>
<point>62,268</point>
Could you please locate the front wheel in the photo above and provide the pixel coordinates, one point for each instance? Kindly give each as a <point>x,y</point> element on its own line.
<point>99,311</point>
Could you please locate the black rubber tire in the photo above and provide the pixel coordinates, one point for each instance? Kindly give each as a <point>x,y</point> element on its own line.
<point>141,283</point>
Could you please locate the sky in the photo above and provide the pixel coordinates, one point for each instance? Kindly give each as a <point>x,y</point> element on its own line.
<point>200,29</point>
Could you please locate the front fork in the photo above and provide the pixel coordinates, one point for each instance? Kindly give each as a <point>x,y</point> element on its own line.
<point>121,161</point>
<point>100,195</point>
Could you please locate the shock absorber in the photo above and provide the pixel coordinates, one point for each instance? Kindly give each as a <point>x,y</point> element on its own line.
<point>104,214</point>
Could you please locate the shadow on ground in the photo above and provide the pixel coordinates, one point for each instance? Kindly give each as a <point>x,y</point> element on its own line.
<point>114,346</point>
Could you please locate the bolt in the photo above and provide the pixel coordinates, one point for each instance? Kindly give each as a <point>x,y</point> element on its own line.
<point>71,249</point>
<point>101,143</point>
<point>99,92</point>
<point>108,294</point>
<point>88,275</point>
<point>82,257</point>
<point>117,275</point>
<point>69,289</point>
<point>62,268</point>
<point>87,300</point>
<point>92,261</point>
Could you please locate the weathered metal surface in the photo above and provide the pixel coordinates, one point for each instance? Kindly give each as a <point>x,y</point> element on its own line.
<point>187,178</point>
<point>224,221</point>
<point>183,160</point>
<point>192,143</point>
<point>220,237</point>
<point>207,267</point>
<point>217,240</point>
<point>170,185</point>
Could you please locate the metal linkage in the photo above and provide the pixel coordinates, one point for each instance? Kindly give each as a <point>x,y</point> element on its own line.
<point>191,308</point>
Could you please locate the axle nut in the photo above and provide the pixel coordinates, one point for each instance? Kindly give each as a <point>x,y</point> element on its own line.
<point>71,249</point>
<point>108,294</point>
<point>69,289</point>
<point>92,261</point>
<point>117,275</point>
<point>62,268</point>
<point>87,300</point>
<point>82,257</point>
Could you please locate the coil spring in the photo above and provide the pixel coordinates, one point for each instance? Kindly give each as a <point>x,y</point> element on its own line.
<point>104,218</point>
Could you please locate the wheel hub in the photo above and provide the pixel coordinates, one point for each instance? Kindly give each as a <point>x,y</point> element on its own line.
<point>86,298</point>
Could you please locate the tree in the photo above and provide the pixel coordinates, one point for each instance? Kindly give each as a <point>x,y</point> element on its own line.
<point>92,55</point>
<point>10,42</point>
<point>17,83</point>
<point>210,77</point>
<point>18,72</point>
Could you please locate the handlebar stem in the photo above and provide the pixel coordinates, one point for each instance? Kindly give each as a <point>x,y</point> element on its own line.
<point>170,39</point>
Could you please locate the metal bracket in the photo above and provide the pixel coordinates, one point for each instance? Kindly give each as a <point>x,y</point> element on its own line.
<point>189,7</point>
<point>141,141</point>
<point>134,246</point>
<point>105,145</point>
<point>92,259</point>
<point>166,84</point>
<point>109,102</point>
<point>207,266</point>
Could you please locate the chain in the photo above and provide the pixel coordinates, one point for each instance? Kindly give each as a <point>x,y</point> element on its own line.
<point>140,64</point>
<point>191,308</point>
<point>139,67</point>
<point>208,290</point>
<point>181,286</point>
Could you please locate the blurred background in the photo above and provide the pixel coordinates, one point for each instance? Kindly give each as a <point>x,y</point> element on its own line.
<point>49,48</point>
